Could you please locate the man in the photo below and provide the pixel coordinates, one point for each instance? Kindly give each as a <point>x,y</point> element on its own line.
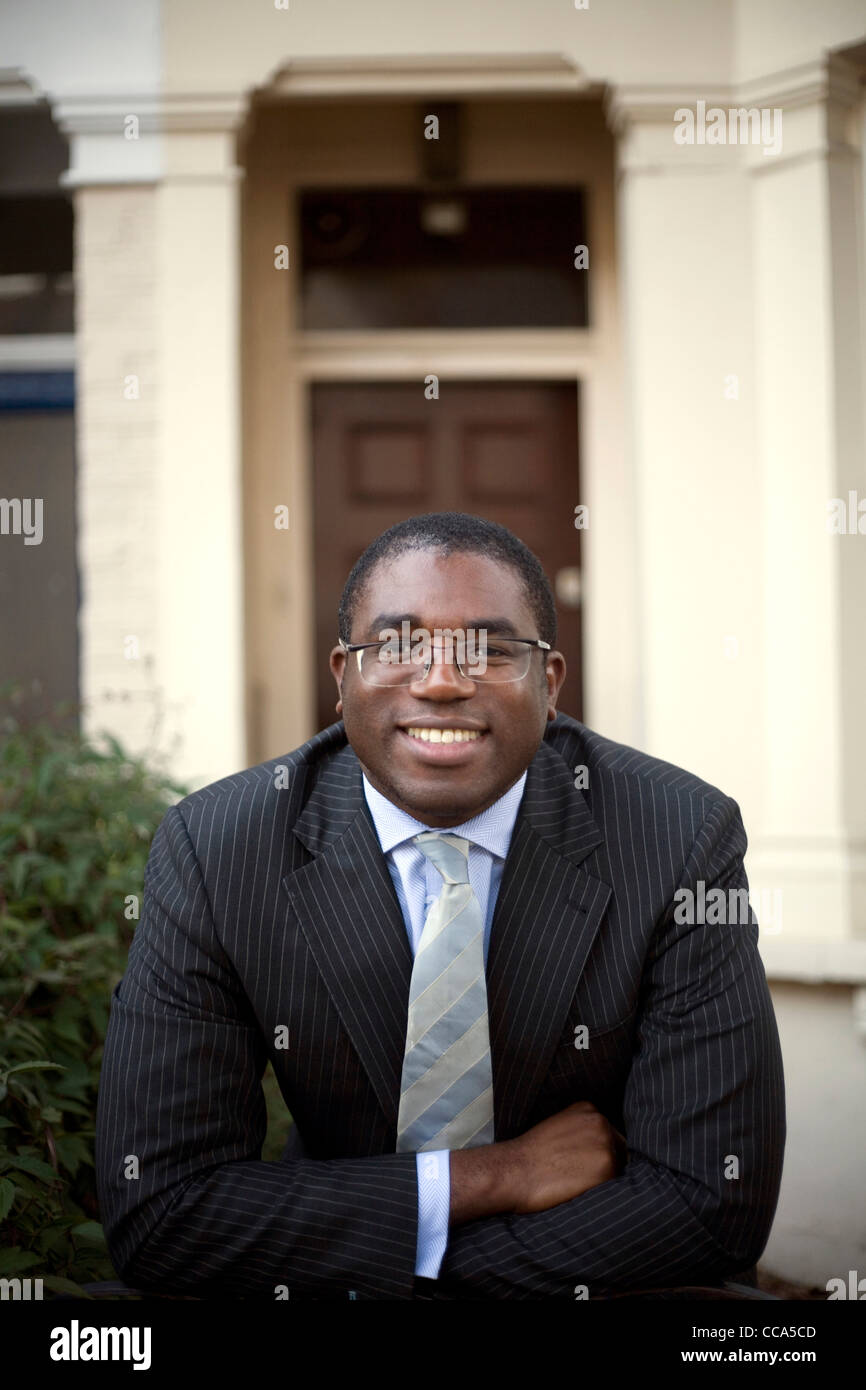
<point>457,923</point>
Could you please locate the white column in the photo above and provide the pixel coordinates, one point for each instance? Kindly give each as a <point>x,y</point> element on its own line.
<point>160,538</point>
<point>808,300</point>
<point>200,569</point>
<point>743,285</point>
<point>684,259</point>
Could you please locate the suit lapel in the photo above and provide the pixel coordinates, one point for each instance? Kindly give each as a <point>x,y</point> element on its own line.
<point>350,915</point>
<point>547,914</point>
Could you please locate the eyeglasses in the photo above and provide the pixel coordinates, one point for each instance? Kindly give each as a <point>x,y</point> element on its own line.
<point>497,660</point>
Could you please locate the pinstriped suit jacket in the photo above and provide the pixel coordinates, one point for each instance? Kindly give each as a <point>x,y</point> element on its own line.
<point>268,906</point>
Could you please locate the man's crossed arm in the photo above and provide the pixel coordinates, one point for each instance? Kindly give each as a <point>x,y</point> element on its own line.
<point>181,1109</point>
<point>704,1114</point>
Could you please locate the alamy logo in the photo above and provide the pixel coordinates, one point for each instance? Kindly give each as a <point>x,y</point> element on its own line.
<point>75,1343</point>
<point>420,645</point>
<point>741,125</point>
<point>717,908</point>
<point>855,1288</point>
<point>17,518</point>
<point>23,1289</point>
<point>850,521</point>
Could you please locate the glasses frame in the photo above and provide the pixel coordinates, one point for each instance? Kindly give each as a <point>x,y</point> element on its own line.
<point>359,647</point>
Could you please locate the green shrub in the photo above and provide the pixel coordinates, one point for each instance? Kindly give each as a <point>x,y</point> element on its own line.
<point>76,822</point>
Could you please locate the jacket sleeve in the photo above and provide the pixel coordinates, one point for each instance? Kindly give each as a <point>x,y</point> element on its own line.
<point>187,1204</point>
<point>704,1115</point>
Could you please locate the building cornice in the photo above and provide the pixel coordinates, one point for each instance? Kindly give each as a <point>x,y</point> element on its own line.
<point>415,75</point>
<point>832,78</point>
<point>157,115</point>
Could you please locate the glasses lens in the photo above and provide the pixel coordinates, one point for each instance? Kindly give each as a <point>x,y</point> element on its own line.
<point>392,664</point>
<point>496,660</point>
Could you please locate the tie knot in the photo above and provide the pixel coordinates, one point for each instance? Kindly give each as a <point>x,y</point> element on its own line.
<point>449,853</point>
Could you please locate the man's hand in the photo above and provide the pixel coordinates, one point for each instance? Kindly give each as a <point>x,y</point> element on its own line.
<point>554,1161</point>
<point>563,1156</point>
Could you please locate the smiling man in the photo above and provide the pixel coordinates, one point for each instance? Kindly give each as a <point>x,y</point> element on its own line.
<point>513,1072</point>
<point>396,725</point>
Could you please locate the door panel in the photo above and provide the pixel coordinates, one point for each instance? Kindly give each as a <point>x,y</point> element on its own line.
<point>507,451</point>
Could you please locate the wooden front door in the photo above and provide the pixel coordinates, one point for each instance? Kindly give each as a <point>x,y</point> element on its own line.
<point>505,450</point>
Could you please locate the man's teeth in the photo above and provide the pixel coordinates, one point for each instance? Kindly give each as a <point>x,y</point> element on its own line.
<point>444,735</point>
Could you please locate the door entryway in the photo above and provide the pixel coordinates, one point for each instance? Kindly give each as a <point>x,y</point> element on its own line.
<point>373,261</point>
<point>504,450</point>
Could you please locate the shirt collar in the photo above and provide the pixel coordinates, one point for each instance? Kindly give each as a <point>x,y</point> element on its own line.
<point>492,829</point>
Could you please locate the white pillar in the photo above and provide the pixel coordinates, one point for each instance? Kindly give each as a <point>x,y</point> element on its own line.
<point>201,518</point>
<point>743,282</point>
<point>160,500</point>
<point>808,283</point>
<point>686,287</point>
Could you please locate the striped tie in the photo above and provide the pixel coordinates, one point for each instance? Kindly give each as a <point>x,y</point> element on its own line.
<point>446,1093</point>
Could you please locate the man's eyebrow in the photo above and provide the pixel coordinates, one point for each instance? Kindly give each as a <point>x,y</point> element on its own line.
<point>496,625</point>
<point>383,620</point>
<point>500,625</point>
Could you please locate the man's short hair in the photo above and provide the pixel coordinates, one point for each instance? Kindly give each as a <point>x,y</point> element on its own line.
<point>450,533</point>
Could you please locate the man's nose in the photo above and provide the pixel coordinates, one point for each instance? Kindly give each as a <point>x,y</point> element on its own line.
<point>444,680</point>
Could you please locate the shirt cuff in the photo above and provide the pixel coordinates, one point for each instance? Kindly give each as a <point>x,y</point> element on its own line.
<point>434,1205</point>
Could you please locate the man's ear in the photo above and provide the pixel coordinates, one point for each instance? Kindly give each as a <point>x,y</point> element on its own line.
<point>337,663</point>
<point>554,672</point>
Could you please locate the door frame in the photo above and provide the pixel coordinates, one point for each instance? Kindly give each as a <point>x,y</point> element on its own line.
<point>278,450</point>
<point>312,379</point>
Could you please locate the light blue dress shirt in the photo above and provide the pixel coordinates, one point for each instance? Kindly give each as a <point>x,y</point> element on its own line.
<point>418,884</point>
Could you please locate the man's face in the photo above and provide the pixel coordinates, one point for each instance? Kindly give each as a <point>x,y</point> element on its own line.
<point>445,784</point>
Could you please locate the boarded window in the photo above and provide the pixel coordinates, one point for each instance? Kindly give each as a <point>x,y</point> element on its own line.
<point>465,258</point>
